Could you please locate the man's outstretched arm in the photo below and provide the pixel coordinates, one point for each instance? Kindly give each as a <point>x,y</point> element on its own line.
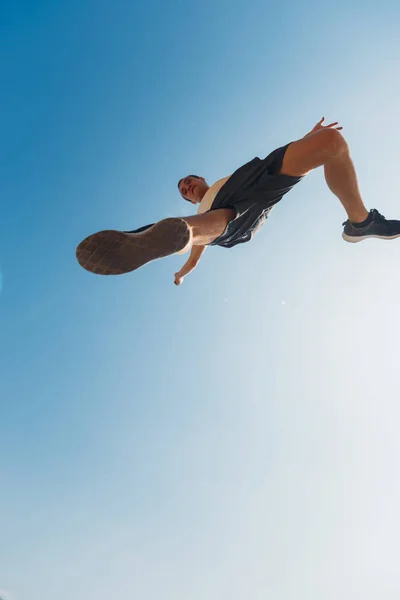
<point>192,262</point>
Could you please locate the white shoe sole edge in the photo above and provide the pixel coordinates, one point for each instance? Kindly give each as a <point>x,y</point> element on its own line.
<point>354,240</point>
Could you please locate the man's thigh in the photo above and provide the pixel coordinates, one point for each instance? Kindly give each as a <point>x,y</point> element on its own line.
<point>311,152</point>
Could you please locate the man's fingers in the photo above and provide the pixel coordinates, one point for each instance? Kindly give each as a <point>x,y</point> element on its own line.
<point>320,125</point>
<point>333,125</point>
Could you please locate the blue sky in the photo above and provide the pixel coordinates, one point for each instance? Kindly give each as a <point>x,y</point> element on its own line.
<point>236,437</point>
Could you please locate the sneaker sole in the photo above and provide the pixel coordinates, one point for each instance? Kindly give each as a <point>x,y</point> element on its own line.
<point>354,240</point>
<point>113,252</point>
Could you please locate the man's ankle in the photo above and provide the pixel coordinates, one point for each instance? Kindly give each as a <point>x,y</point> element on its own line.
<point>358,218</point>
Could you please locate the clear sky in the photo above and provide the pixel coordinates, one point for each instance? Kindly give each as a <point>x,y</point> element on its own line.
<point>236,438</point>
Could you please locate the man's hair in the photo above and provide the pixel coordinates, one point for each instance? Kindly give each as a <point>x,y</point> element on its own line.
<point>179,182</point>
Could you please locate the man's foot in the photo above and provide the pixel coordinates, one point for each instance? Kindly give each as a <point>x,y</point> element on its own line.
<point>116,252</point>
<point>375,226</point>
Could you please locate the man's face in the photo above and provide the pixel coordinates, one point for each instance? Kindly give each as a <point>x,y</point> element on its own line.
<point>193,188</point>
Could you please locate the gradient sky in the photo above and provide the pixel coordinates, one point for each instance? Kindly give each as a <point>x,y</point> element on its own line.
<point>236,438</point>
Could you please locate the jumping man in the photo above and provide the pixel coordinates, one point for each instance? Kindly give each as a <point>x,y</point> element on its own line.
<point>233,209</point>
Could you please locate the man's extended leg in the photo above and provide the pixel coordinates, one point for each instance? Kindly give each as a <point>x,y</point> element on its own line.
<point>113,252</point>
<point>205,227</point>
<point>329,149</point>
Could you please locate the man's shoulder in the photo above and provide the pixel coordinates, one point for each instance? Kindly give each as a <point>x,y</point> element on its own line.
<point>209,196</point>
<point>220,182</point>
<point>215,187</point>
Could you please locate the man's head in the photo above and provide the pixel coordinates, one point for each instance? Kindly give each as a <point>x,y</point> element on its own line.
<point>192,188</point>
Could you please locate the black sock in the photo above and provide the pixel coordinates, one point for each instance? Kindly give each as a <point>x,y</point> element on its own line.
<point>364,223</point>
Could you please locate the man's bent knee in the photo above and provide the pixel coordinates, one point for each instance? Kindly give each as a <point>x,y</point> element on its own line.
<point>331,140</point>
<point>313,151</point>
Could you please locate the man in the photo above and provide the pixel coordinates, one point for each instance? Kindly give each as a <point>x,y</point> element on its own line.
<point>233,209</point>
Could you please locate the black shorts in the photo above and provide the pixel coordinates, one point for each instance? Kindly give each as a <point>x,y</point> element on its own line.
<point>252,191</point>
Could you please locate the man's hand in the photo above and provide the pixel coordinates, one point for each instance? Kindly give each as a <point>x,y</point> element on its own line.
<point>178,278</point>
<point>320,126</point>
<point>191,263</point>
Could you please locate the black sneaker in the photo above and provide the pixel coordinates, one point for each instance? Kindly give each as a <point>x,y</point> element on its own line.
<point>112,252</point>
<point>375,226</point>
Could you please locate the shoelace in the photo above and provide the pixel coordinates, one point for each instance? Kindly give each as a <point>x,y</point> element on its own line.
<point>377,215</point>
